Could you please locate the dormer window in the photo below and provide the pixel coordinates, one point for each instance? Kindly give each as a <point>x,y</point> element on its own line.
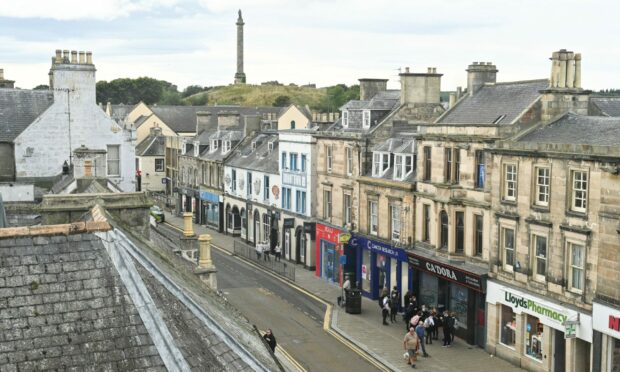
<point>345,119</point>
<point>213,145</point>
<point>366,119</point>
<point>380,163</point>
<point>226,146</point>
<point>403,165</point>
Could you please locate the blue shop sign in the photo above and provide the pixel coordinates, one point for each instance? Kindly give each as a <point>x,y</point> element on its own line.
<point>378,247</point>
<point>213,198</point>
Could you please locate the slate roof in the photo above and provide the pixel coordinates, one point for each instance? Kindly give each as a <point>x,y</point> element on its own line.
<point>492,102</point>
<point>19,108</point>
<point>183,118</point>
<point>152,146</point>
<point>226,135</point>
<point>399,145</point>
<point>259,159</point>
<point>609,106</point>
<point>385,100</point>
<point>579,130</point>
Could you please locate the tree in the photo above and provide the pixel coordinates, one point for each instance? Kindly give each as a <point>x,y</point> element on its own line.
<point>191,90</point>
<point>336,96</point>
<point>132,91</point>
<point>42,87</point>
<point>282,101</point>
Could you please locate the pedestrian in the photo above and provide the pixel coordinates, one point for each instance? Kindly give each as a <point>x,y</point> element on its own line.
<point>270,339</point>
<point>266,251</point>
<point>455,326</point>
<point>385,310</point>
<point>414,301</point>
<point>407,299</point>
<point>429,326</point>
<point>415,320</point>
<point>278,252</point>
<point>419,330</point>
<point>447,327</point>
<point>411,343</point>
<point>409,313</point>
<point>395,305</point>
<point>385,292</point>
<point>259,250</point>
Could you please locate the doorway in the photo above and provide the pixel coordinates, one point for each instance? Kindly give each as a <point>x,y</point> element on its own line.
<point>559,351</point>
<point>287,244</point>
<point>256,227</point>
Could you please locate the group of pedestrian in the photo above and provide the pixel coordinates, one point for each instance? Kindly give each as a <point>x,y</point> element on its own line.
<point>389,302</point>
<point>262,250</point>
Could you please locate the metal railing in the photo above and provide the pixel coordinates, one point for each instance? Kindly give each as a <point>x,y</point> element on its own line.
<point>286,269</point>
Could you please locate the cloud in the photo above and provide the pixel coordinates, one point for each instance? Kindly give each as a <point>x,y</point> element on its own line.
<point>77,9</point>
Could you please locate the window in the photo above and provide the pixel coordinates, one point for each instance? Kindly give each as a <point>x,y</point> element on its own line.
<point>509,326</point>
<point>293,157</point>
<point>328,157</point>
<point>347,209</point>
<point>508,247</point>
<point>213,145</point>
<point>366,118</point>
<point>266,188</point>
<point>457,165</point>
<point>443,244</point>
<point>349,156</point>
<point>479,169</point>
<point>159,165</point>
<point>248,177</point>
<point>510,182</point>
<point>385,161</point>
<point>226,146</point>
<point>303,163</point>
<point>327,204</point>
<point>478,219</point>
<point>427,163</point>
<point>426,230</point>
<point>284,165</point>
<point>398,167</point>
<point>534,338</point>
<point>460,232</point>
<point>376,164</point>
<point>292,124</point>
<point>408,164</point>
<point>539,248</point>
<point>395,222</point>
<point>345,118</point>
<point>233,185</point>
<point>579,195</point>
<point>542,186</point>
<point>373,220</point>
<point>114,160</point>
<point>286,198</point>
<point>448,166</point>
<point>266,227</point>
<point>300,202</point>
<point>576,266</point>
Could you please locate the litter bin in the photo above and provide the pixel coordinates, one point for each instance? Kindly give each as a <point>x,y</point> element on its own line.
<point>353,304</point>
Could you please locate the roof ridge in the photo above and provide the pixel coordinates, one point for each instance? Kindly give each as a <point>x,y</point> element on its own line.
<point>518,82</point>
<point>61,229</point>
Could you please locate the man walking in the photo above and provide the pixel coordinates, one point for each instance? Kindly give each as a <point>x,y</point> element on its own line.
<point>278,252</point>
<point>395,305</point>
<point>448,324</point>
<point>411,344</point>
<point>429,325</point>
<point>419,330</point>
<point>385,309</point>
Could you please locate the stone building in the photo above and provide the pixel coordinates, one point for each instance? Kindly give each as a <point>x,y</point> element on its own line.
<point>151,162</point>
<point>554,198</point>
<point>67,114</point>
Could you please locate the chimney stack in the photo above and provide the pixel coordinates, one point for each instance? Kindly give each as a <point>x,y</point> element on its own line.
<point>479,74</point>
<point>204,261</point>
<point>420,87</point>
<point>188,227</point>
<point>58,58</point>
<point>452,100</point>
<point>89,58</point>
<point>65,56</point>
<point>565,70</point>
<point>370,87</point>
<point>82,59</point>
<point>74,56</point>
<point>459,93</point>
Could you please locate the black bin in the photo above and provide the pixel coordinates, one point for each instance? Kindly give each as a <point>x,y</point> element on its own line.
<point>353,304</point>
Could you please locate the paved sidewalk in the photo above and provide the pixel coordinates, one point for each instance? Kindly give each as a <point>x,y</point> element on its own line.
<point>385,343</point>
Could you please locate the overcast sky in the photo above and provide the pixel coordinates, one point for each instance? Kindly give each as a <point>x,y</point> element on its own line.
<point>309,41</point>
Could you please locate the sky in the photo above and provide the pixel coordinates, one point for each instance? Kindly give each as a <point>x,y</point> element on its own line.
<point>310,41</point>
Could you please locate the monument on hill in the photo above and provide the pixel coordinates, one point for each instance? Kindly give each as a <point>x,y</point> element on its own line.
<point>240,75</point>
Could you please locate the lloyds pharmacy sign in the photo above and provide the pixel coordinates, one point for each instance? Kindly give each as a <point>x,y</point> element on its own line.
<point>533,306</point>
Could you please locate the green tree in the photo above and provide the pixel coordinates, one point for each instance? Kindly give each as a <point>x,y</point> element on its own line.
<point>336,96</point>
<point>132,91</point>
<point>191,90</point>
<point>42,87</point>
<point>282,101</point>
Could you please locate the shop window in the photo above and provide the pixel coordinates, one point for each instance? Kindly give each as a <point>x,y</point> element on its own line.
<point>533,337</point>
<point>444,230</point>
<point>509,326</point>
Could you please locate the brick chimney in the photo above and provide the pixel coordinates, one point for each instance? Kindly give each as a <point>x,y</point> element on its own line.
<point>420,87</point>
<point>72,80</point>
<point>4,83</point>
<point>370,87</point>
<point>478,74</point>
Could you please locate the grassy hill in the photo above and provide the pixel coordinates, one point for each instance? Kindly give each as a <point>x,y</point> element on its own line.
<point>259,95</point>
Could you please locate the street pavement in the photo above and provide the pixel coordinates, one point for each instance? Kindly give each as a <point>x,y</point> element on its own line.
<point>365,330</point>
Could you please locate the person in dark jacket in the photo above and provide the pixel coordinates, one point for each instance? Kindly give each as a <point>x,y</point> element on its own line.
<point>270,339</point>
<point>448,326</point>
<point>409,313</point>
<point>395,304</point>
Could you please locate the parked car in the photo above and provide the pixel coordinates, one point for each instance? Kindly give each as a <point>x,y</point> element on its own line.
<point>158,214</point>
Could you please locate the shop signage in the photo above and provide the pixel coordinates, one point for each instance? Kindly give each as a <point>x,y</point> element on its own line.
<point>378,247</point>
<point>328,233</point>
<point>344,237</point>
<point>606,319</point>
<point>213,198</point>
<point>572,322</point>
<point>454,274</point>
<point>288,223</point>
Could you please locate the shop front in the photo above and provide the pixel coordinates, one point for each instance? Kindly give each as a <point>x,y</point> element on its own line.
<point>328,253</point>
<point>536,333</point>
<point>210,209</point>
<point>447,287</point>
<point>606,325</point>
<point>189,200</point>
<point>380,266</point>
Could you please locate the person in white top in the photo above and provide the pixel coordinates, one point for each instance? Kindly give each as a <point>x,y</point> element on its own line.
<point>278,251</point>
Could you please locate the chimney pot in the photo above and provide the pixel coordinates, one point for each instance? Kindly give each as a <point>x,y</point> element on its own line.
<point>89,58</point>
<point>65,56</point>
<point>204,260</point>
<point>406,70</point>
<point>74,56</point>
<point>452,100</point>
<point>429,70</point>
<point>188,226</point>
<point>475,63</point>
<point>82,59</point>
<point>58,58</point>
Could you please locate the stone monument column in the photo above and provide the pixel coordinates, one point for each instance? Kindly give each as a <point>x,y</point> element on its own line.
<point>240,75</point>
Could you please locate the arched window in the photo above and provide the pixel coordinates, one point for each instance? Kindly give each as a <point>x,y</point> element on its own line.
<point>292,124</point>
<point>444,230</point>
